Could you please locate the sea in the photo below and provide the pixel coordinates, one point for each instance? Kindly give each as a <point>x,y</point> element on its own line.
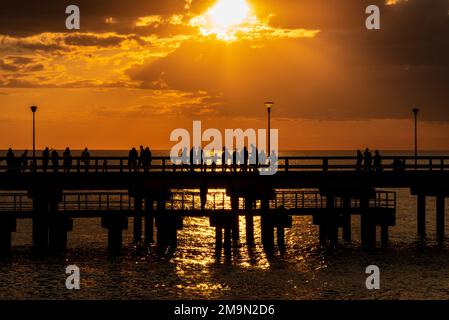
<point>410,269</point>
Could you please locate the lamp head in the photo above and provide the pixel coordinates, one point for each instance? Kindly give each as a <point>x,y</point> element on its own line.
<point>415,111</point>
<point>269,105</point>
<point>33,109</point>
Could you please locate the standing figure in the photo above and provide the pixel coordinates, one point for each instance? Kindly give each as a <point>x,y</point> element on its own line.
<point>132,159</point>
<point>245,157</point>
<point>377,161</point>
<point>10,160</point>
<point>24,160</point>
<point>55,160</point>
<point>368,159</point>
<point>67,159</point>
<point>45,159</point>
<point>141,158</point>
<point>85,158</point>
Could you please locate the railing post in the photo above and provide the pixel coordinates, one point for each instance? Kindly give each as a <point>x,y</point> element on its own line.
<point>286,164</point>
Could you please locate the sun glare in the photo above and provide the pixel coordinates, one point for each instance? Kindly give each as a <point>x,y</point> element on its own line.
<point>224,19</point>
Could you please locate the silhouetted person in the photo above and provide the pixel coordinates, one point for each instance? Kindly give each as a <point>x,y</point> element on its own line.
<point>368,159</point>
<point>254,157</point>
<point>85,158</point>
<point>245,157</point>
<point>262,158</point>
<point>132,159</point>
<point>192,158</point>
<point>24,160</point>
<point>141,157</point>
<point>200,158</point>
<point>359,161</point>
<point>398,165</point>
<point>235,160</point>
<point>273,157</point>
<point>226,159</point>
<point>10,160</point>
<point>185,158</point>
<point>377,161</point>
<point>45,159</point>
<point>67,159</point>
<point>214,161</point>
<point>146,158</point>
<point>55,160</point>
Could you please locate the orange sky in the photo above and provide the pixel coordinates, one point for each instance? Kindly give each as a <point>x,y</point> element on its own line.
<point>134,73</point>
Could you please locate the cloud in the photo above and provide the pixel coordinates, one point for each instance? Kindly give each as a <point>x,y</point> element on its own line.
<point>314,58</point>
<point>29,17</point>
<point>19,64</point>
<point>93,40</point>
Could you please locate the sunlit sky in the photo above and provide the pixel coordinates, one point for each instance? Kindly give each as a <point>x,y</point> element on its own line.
<point>138,69</point>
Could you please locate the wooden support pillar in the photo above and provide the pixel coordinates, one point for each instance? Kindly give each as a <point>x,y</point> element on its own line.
<point>384,236</point>
<point>331,220</point>
<point>161,228</point>
<point>59,226</point>
<point>137,219</point>
<point>421,210</point>
<point>7,226</point>
<point>235,218</point>
<point>322,229</point>
<point>249,221</point>
<point>371,233</point>
<point>203,197</point>
<point>115,225</point>
<point>440,217</point>
<point>40,224</point>
<point>227,239</point>
<point>218,240</point>
<point>364,220</point>
<point>149,221</point>
<point>347,219</point>
<point>266,226</point>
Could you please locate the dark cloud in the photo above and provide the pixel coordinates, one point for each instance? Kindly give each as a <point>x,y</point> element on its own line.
<point>20,65</point>
<point>93,40</point>
<point>27,17</point>
<point>321,83</point>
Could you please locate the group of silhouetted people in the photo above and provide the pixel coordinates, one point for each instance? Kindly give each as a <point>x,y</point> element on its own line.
<point>50,159</point>
<point>242,160</point>
<point>16,163</point>
<point>367,162</point>
<point>143,160</point>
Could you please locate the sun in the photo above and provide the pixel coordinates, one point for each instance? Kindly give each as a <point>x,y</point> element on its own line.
<point>224,19</point>
<point>228,13</point>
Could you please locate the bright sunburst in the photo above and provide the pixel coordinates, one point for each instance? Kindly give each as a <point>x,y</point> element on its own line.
<point>224,19</point>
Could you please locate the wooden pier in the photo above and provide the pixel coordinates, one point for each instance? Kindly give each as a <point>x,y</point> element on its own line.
<point>330,189</point>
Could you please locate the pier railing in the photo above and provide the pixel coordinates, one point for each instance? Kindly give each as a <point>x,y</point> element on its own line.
<point>189,201</point>
<point>164,164</point>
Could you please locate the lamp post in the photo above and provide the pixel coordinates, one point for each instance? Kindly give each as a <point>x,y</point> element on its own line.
<point>415,113</point>
<point>33,110</point>
<point>269,105</point>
